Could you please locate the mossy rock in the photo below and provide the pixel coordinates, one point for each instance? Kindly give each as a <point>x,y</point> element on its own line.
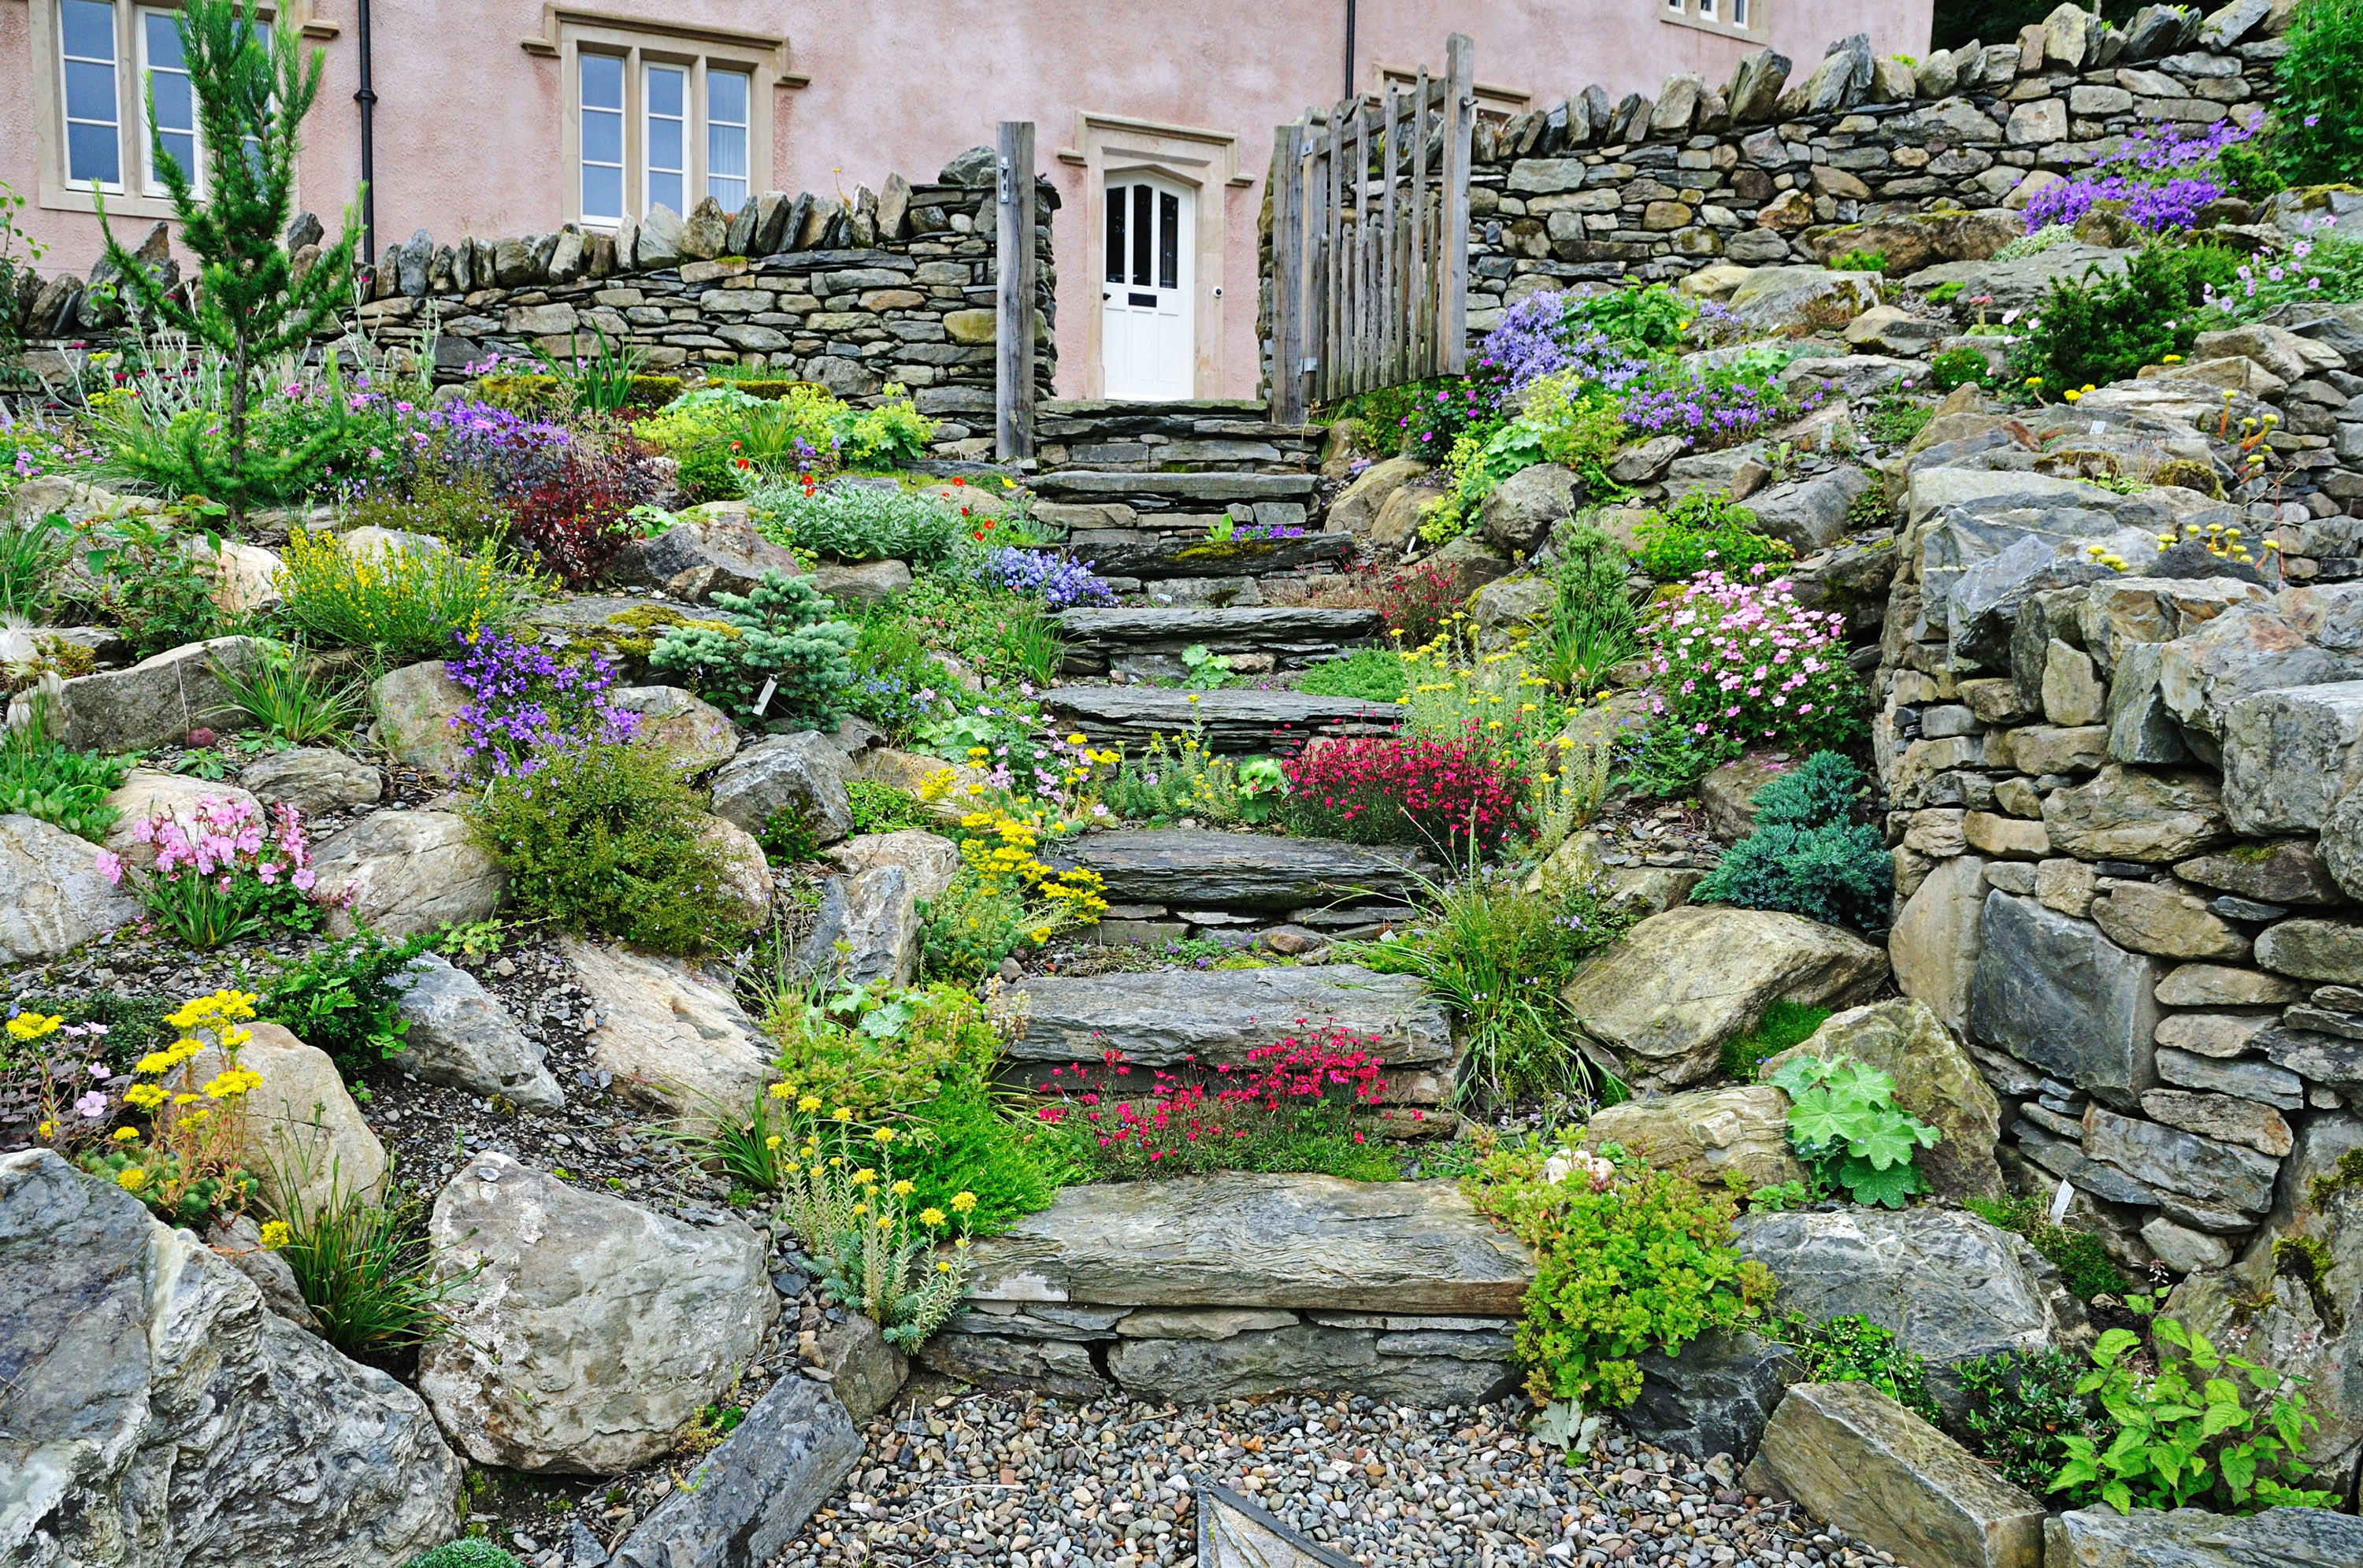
<point>536,394</point>
<point>626,629</point>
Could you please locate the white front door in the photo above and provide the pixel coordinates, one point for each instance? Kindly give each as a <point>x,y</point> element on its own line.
<point>1147,334</point>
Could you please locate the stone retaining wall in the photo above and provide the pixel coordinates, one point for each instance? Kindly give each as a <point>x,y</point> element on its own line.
<point>897,288</point>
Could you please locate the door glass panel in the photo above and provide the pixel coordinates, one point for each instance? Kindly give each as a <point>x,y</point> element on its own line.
<point>726,138</point>
<point>1168,241</point>
<point>94,150</point>
<point>1141,234</point>
<point>668,94</point>
<point>1115,234</point>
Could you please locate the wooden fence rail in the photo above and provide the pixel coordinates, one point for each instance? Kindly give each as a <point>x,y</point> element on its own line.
<point>1371,240</point>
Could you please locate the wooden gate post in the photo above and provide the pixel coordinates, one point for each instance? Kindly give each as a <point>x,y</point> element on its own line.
<point>1014,306</point>
<point>1288,275</point>
<point>1460,104</point>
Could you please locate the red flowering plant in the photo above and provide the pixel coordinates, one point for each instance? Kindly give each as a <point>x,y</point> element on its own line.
<point>1292,1106</point>
<point>1450,792</point>
<point>1734,662</point>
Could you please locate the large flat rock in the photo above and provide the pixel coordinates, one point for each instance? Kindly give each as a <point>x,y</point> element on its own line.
<point>1241,1240</point>
<point>1291,635</point>
<point>2193,1537</point>
<point>1163,1017</point>
<point>1201,869</point>
<point>1138,552</point>
<point>2052,990</point>
<point>1159,491</point>
<point>1233,721</point>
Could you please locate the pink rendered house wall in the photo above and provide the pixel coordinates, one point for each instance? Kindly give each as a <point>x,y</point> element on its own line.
<point>469,121</point>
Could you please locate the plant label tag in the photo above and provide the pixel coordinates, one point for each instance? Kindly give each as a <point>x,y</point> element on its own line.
<point>763,701</point>
<point>2100,427</point>
<point>2061,1200</point>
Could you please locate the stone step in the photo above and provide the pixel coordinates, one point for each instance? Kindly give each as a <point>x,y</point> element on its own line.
<point>1197,868</point>
<point>1149,642</point>
<point>1165,1018</point>
<point>1236,1286</point>
<point>1171,492</point>
<point>1148,553</point>
<point>1232,721</point>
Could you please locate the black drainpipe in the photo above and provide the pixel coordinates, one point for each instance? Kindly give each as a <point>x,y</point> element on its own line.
<point>1349,45</point>
<point>367,99</point>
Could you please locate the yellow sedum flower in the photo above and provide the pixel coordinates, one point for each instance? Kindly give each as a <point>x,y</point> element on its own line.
<point>931,1217</point>
<point>132,1178</point>
<point>904,1188</point>
<point>33,1026</point>
<point>809,1104</point>
<point>275,1234</point>
<point>964,1201</point>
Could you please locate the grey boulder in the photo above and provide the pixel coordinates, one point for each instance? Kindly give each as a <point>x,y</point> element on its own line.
<point>52,899</point>
<point>746,1501</point>
<point>1712,1396</point>
<point>313,780</point>
<point>407,871</point>
<point>156,1414</point>
<point>459,1035</point>
<point>1519,513</point>
<point>158,700</point>
<point>802,773</point>
<point>2193,1537</point>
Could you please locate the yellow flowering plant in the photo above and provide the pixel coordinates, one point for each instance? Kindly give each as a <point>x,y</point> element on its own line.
<point>838,1194</point>
<point>183,1165</point>
<point>402,605</point>
<point>1493,699</point>
<point>1003,897</point>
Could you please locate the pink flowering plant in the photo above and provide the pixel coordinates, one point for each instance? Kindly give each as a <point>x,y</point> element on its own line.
<point>223,871</point>
<point>1734,662</point>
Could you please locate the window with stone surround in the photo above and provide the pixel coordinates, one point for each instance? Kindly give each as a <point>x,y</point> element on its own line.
<point>98,64</point>
<point>1736,18</point>
<point>659,114</point>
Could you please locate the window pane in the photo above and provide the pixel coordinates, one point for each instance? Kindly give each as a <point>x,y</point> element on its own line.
<point>725,96</point>
<point>90,91</point>
<point>731,194</point>
<point>1141,223</point>
<point>176,108</point>
<point>603,191</point>
<point>1738,13</point>
<point>666,89</point>
<point>91,153</point>
<point>603,82</point>
<point>1115,234</point>
<point>602,137</point>
<point>665,191</point>
<point>164,41</point>
<point>1706,10</point>
<point>89,29</point>
<point>664,145</point>
<point>1169,241</point>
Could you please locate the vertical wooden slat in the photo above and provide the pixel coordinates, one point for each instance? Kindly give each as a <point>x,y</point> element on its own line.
<point>1363,311</point>
<point>1287,401</point>
<point>1422,355</point>
<point>1317,260</point>
<point>1013,396</point>
<point>1332,360</point>
<point>1389,298</point>
<point>1461,69</point>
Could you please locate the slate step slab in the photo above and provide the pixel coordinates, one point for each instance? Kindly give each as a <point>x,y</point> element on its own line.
<point>1160,491</point>
<point>1233,721</point>
<point>1248,1239</point>
<point>1139,553</point>
<point>1163,1018</point>
<point>1294,636</point>
<point>1197,868</point>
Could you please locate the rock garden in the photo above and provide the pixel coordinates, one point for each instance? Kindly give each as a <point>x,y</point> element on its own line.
<point>1733,939</point>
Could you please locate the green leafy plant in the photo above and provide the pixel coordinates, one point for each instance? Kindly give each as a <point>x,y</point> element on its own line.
<point>1203,669</point>
<point>881,808</point>
<point>471,1551</point>
<point>366,1271</point>
<point>873,1048</point>
<point>283,690</point>
<point>1859,261</point>
<point>2081,1257</point>
<point>1847,1130</point>
<point>252,86</point>
<point>1958,367</point>
<point>2105,328</point>
<point>860,522</point>
<point>1627,1260</point>
<point>2190,1435</point>
<point>1894,419</point>
<point>145,578</point>
<point>46,779</point>
<point>2023,1409</point>
<point>343,999</point>
<point>1653,317</point>
<point>606,837</point>
<point>784,659</point>
<point>2320,135</point>
<point>1178,778</point>
<point>1784,1024</point>
<point>1852,1348</point>
<point>966,1140</point>
<point>1704,528</point>
<point>32,550</point>
<point>600,383</point>
<point>403,605</point>
<point>1594,626</point>
<point>1373,675</point>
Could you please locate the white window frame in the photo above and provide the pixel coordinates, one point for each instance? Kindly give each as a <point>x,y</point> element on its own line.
<point>641,42</point>
<point>1731,18</point>
<point>136,193</point>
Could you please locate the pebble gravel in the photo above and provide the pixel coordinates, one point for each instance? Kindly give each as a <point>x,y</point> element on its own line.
<point>1015,1481</point>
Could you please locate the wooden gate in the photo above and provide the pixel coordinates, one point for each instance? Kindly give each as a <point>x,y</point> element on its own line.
<point>1369,244</point>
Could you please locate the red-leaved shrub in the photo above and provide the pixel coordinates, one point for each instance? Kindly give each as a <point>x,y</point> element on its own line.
<point>1387,789</point>
<point>574,522</point>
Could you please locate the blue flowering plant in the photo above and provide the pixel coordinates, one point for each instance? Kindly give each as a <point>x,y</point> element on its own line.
<point>526,703</point>
<point>1060,583</point>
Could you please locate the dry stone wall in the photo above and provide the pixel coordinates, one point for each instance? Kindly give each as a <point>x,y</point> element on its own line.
<point>1776,165</point>
<point>896,286</point>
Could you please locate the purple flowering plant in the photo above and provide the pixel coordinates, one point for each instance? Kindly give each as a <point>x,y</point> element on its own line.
<point>2165,177</point>
<point>527,702</point>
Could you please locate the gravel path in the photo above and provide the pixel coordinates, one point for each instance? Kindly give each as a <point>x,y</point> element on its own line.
<point>1018,1482</point>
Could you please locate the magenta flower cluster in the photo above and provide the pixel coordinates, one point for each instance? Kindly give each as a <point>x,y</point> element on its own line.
<point>225,839</point>
<point>528,703</point>
<point>1739,660</point>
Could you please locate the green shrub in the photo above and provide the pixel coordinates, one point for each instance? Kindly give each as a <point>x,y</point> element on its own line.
<point>784,661</point>
<point>617,387</point>
<point>1373,675</point>
<point>145,579</point>
<point>459,507</point>
<point>2189,1435</point>
<point>1860,262</point>
<point>965,1141</point>
<point>1643,1263</point>
<point>1853,1349</point>
<point>1704,528</point>
<point>1895,420</point>
<point>2103,328</point>
<point>881,808</point>
<point>471,1553</point>
<point>342,998</point>
<point>1784,1024</point>
<point>710,472</point>
<point>875,1049</point>
<point>898,683</point>
<point>1840,875</point>
<point>1958,367</point>
<point>2320,135</point>
<point>891,435</point>
<point>1652,317</point>
<point>1824,788</point>
<point>851,521</point>
<point>403,605</point>
<point>606,838</point>
<point>1848,1132</point>
<point>2081,1258</point>
<point>2024,1408</point>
